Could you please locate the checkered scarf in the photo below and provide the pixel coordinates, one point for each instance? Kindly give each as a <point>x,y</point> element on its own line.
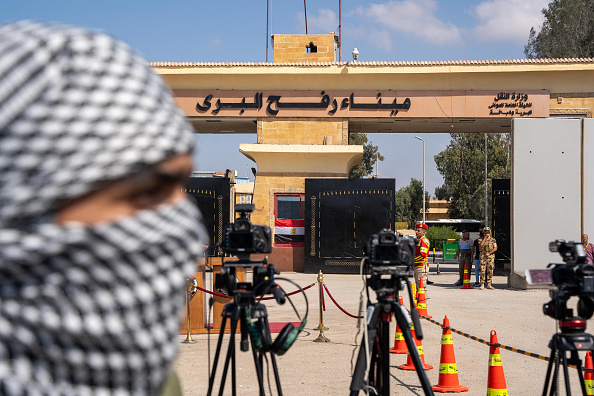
<point>86,310</point>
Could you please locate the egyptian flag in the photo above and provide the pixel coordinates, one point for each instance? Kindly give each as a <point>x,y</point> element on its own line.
<point>289,232</point>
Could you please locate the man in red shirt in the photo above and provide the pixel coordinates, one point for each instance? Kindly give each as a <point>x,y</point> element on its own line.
<point>421,254</point>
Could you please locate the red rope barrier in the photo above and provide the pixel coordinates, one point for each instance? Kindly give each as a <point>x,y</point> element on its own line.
<point>338,306</point>
<point>213,293</point>
<point>293,292</point>
<point>323,301</point>
<point>264,298</point>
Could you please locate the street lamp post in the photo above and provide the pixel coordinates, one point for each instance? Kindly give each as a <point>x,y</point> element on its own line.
<point>486,189</point>
<point>416,137</point>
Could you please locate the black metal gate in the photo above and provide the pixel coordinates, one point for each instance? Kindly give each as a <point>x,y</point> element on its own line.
<point>340,216</point>
<point>501,225</point>
<point>213,198</point>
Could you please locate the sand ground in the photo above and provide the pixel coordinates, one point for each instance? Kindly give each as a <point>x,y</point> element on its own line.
<point>312,368</point>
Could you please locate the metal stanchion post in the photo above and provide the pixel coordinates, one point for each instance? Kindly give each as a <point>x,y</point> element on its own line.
<point>434,261</point>
<point>321,337</point>
<point>188,339</point>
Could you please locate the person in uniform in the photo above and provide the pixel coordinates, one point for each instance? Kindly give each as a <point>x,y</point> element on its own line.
<point>487,247</point>
<point>421,254</point>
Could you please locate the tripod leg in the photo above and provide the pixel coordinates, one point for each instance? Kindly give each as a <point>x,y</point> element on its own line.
<point>276,376</point>
<point>549,369</point>
<point>555,383</point>
<point>217,354</point>
<point>258,365</point>
<point>412,348</point>
<point>384,352</point>
<point>580,371</point>
<point>566,374</point>
<point>273,361</point>
<point>374,373</point>
<point>230,355</point>
<point>361,365</point>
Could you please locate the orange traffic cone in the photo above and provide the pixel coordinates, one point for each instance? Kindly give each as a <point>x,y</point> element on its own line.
<point>421,303</point>
<point>448,370</point>
<point>496,379</point>
<point>399,342</point>
<point>409,362</point>
<point>588,375</point>
<point>466,279</point>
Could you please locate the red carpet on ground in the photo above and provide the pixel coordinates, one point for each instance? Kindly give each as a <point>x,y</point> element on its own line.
<point>276,327</point>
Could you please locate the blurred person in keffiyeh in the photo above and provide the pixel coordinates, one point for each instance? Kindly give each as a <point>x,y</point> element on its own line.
<point>96,234</point>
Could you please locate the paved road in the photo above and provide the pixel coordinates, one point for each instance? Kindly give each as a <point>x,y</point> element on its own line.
<point>310,368</point>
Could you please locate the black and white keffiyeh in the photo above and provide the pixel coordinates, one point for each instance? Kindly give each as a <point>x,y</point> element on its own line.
<point>86,310</point>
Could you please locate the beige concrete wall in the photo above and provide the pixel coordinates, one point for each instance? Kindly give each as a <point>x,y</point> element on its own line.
<point>272,179</point>
<point>572,104</point>
<point>292,48</point>
<point>266,187</point>
<point>557,78</point>
<point>303,131</point>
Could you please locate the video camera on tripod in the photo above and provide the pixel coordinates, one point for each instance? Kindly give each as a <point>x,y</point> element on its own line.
<point>388,254</point>
<point>242,238</point>
<point>574,278</point>
<point>388,263</point>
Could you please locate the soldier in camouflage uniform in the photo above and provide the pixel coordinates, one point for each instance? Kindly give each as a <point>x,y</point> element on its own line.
<point>487,247</point>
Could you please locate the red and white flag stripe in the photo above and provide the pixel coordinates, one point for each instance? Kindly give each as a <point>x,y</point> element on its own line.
<point>289,231</point>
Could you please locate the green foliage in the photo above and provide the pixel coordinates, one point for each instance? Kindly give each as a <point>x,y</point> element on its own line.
<point>408,205</point>
<point>435,233</point>
<point>370,155</point>
<point>462,165</point>
<point>567,31</point>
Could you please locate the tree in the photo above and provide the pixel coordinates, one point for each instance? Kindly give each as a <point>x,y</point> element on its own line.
<point>408,203</point>
<point>370,155</point>
<point>567,31</point>
<point>462,165</point>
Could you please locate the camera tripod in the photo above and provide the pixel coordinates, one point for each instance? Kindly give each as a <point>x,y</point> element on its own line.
<point>572,339</point>
<point>236,312</point>
<point>377,349</point>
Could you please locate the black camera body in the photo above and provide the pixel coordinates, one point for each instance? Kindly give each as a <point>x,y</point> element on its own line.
<point>243,237</point>
<point>574,278</point>
<point>387,249</point>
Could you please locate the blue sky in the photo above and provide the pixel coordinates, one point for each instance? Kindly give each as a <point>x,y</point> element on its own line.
<point>235,30</point>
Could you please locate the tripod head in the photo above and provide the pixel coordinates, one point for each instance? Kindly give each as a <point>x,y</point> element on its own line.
<point>245,293</point>
<point>242,238</point>
<point>388,281</point>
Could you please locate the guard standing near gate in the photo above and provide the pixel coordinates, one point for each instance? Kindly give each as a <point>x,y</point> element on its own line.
<point>421,254</point>
<point>488,247</point>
